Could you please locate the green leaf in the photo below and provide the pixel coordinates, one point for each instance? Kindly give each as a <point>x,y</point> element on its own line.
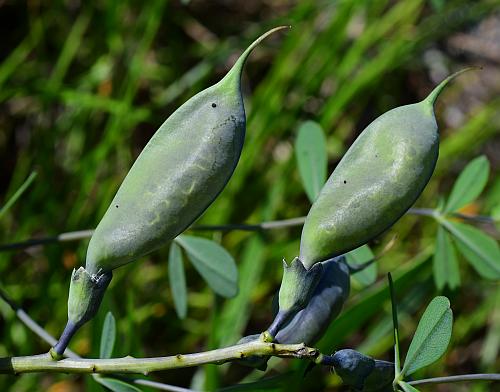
<point>482,251</point>
<point>407,387</point>
<point>213,262</point>
<point>360,256</point>
<point>116,385</point>
<point>431,337</point>
<point>395,325</point>
<point>438,5</point>
<point>470,184</point>
<point>310,150</point>
<point>446,272</point>
<point>108,336</point>
<point>17,194</point>
<point>440,204</point>
<point>177,280</point>
<point>495,214</point>
<point>274,383</point>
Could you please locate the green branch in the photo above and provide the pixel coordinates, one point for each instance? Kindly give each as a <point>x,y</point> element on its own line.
<point>45,363</point>
<point>48,338</point>
<point>271,225</point>
<point>41,363</point>
<point>457,378</point>
<point>75,364</point>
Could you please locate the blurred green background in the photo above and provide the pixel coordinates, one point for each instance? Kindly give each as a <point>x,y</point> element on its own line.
<point>84,85</point>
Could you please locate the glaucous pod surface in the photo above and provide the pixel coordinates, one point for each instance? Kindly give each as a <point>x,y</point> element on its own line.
<point>175,178</point>
<point>182,169</point>
<point>376,182</point>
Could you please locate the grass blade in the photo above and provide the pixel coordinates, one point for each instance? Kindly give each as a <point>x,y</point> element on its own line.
<point>17,194</point>
<point>397,360</point>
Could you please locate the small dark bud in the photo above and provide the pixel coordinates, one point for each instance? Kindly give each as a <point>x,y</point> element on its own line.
<point>362,372</point>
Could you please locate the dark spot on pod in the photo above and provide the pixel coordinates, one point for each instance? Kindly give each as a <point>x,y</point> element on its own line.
<point>214,105</point>
<point>116,206</point>
<point>179,357</point>
<point>345,182</point>
<point>273,346</point>
<point>242,355</point>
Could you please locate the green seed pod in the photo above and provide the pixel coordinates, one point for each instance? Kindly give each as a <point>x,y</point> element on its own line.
<point>180,172</point>
<point>362,373</point>
<point>376,182</point>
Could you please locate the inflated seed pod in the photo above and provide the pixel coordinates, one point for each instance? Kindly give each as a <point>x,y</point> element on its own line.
<point>180,172</point>
<point>376,182</point>
<point>362,373</point>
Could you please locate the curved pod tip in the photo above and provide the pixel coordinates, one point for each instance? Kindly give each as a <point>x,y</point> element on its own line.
<point>432,97</point>
<point>237,68</point>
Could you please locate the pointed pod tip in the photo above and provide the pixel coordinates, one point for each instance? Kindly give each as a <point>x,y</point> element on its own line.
<point>432,97</point>
<point>272,31</point>
<point>260,39</point>
<point>237,68</point>
<point>283,27</point>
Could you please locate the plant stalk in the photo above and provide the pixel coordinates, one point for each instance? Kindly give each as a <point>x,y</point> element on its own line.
<point>457,378</point>
<point>271,225</point>
<point>45,363</point>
